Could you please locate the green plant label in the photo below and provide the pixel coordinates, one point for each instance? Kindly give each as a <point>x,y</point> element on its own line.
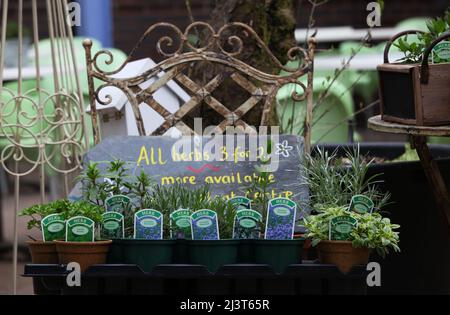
<point>117,203</point>
<point>180,224</point>
<point>112,226</point>
<point>247,224</point>
<point>361,204</point>
<point>148,225</point>
<point>53,228</point>
<point>341,228</point>
<point>241,203</point>
<point>280,222</point>
<point>80,229</point>
<point>205,225</point>
<point>441,52</point>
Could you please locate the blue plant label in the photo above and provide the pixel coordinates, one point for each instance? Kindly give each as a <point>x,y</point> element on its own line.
<point>117,203</point>
<point>247,224</point>
<point>53,228</point>
<point>205,225</point>
<point>280,222</point>
<point>361,204</point>
<point>241,203</point>
<point>341,228</point>
<point>80,229</point>
<point>180,224</point>
<point>148,225</point>
<point>113,226</point>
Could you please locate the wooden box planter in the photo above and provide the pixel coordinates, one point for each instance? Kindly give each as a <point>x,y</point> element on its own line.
<point>415,94</point>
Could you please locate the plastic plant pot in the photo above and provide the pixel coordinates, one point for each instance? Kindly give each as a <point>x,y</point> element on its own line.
<point>181,252</point>
<point>279,254</point>
<point>213,254</point>
<point>43,252</point>
<point>343,255</point>
<point>245,252</point>
<point>86,254</point>
<point>147,254</point>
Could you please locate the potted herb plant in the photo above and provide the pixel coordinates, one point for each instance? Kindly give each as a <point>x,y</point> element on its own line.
<point>334,182</point>
<point>81,244</point>
<point>277,253</point>
<point>415,91</point>
<point>44,251</point>
<point>372,232</point>
<point>223,251</point>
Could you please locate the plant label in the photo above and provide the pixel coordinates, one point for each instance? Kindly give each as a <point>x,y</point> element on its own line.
<point>80,229</point>
<point>180,224</point>
<point>280,222</point>
<point>148,225</point>
<point>247,224</point>
<point>113,226</point>
<point>341,227</point>
<point>205,225</point>
<point>117,203</point>
<point>241,203</point>
<point>53,228</point>
<point>361,204</point>
<point>441,52</point>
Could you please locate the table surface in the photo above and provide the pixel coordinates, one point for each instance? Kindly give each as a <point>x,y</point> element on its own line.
<point>377,124</point>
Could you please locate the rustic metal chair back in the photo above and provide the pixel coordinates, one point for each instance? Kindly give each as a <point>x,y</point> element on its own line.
<point>262,86</point>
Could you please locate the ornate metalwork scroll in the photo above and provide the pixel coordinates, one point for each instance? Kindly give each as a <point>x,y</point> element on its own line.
<point>223,47</point>
<point>42,128</point>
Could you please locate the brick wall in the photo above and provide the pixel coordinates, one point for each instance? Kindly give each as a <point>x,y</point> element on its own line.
<point>132,17</point>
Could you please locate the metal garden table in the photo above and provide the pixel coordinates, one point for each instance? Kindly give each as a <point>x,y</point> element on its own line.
<point>418,137</point>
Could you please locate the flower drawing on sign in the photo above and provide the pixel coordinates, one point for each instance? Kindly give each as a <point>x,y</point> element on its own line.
<point>284,149</point>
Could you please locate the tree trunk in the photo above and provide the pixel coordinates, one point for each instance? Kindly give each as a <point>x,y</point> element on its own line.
<point>274,22</point>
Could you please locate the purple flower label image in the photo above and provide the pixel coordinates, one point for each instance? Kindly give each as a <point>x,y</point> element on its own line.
<point>205,226</point>
<point>148,225</point>
<point>281,214</point>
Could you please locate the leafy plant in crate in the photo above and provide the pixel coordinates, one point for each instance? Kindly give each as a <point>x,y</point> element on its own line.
<point>415,91</point>
<point>344,237</point>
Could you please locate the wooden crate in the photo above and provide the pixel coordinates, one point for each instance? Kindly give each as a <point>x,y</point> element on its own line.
<point>415,94</point>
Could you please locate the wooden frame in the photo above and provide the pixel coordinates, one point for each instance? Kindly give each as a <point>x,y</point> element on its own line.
<point>418,137</point>
<point>262,86</point>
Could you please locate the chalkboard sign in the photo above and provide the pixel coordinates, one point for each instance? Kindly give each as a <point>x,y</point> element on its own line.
<point>227,163</point>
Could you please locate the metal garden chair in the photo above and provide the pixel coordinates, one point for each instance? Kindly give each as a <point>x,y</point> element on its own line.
<point>224,48</point>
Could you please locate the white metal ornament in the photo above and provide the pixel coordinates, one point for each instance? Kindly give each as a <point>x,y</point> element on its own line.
<point>42,127</point>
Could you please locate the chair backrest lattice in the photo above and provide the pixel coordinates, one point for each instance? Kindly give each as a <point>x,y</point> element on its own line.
<point>224,48</point>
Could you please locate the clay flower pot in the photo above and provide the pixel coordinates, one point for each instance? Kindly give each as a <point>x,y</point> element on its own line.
<point>43,252</point>
<point>86,254</point>
<point>342,254</point>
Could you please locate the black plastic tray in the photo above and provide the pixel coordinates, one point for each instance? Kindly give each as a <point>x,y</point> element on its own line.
<point>308,278</point>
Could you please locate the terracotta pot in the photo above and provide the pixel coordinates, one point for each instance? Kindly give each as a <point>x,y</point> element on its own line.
<point>342,254</point>
<point>86,254</point>
<point>43,252</point>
